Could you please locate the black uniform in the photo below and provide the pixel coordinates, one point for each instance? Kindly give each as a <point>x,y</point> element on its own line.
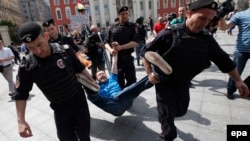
<point>124,34</point>
<point>95,54</point>
<point>190,54</point>
<point>62,40</point>
<point>55,76</point>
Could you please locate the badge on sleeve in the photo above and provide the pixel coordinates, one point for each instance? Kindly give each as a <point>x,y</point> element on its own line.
<point>60,64</point>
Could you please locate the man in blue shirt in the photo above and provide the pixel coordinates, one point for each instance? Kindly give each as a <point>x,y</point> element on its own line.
<point>111,98</point>
<point>242,48</point>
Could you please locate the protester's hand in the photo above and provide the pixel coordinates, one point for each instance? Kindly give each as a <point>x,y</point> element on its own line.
<point>152,78</point>
<point>116,46</point>
<point>24,129</point>
<point>242,88</point>
<point>113,52</point>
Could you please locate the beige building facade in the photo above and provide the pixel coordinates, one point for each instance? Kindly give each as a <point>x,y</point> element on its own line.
<point>9,10</point>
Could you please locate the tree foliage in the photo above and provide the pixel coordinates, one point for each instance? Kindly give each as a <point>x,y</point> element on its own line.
<point>8,23</point>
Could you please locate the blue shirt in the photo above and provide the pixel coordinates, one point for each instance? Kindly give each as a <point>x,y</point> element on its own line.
<point>242,20</point>
<point>110,88</point>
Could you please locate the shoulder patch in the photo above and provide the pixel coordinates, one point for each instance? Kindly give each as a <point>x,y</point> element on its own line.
<point>57,48</point>
<point>29,62</point>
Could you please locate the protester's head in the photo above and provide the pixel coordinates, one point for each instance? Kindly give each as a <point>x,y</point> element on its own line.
<point>199,14</point>
<point>94,28</point>
<point>76,33</point>
<point>101,76</point>
<point>32,35</point>
<point>50,28</point>
<point>160,19</point>
<point>182,12</point>
<point>123,14</point>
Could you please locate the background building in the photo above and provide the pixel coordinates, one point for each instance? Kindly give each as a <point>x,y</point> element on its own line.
<point>34,10</point>
<point>9,11</point>
<point>103,12</point>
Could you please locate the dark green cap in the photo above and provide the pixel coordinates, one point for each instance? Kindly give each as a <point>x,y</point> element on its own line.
<point>198,4</point>
<point>29,31</point>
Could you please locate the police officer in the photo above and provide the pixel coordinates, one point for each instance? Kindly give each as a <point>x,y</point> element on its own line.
<point>121,38</point>
<point>192,51</point>
<point>52,67</point>
<point>56,37</point>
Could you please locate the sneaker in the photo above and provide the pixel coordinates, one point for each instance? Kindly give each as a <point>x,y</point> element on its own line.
<point>158,61</point>
<point>230,96</point>
<point>83,80</point>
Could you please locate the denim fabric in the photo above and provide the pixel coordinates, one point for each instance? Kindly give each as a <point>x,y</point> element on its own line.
<point>240,58</point>
<point>124,100</point>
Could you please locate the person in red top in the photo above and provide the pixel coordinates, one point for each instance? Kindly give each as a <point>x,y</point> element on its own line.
<point>158,26</point>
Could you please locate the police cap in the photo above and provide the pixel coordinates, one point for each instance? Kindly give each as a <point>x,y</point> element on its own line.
<point>123,8</point>
<point>29,31</point>
<point>198,4</point>
<point>48,22</point>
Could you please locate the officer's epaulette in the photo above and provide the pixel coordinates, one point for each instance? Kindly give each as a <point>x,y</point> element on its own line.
<point>57,48</point>
<point>29,62</point>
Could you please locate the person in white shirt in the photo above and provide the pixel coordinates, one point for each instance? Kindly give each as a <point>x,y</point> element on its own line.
<point>6,56</point>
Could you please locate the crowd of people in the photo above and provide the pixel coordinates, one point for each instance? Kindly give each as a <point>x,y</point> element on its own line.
<point>170,61</point>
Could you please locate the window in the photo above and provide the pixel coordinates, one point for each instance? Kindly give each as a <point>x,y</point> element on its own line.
<point>66,1</point>
<point>165,3</point>
<point>106,9</point>
<point>58,14</point>
<point>173,3</point>
<point>68,12</point>
<point>56,2</point>
<point>158,4</point>
<point>181,3</point>
<point>97,10</point>
<point>87,11</point>
<point>60,28</point>
<point>141,5</point>
<point>149,5</point>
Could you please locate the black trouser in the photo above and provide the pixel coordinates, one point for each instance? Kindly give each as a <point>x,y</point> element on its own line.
<point>171,103</point>
<point>126,71</point>
<point>73,121</point>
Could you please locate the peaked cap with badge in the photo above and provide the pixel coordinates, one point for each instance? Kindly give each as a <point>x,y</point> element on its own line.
<point>123,8</point>
<point>29,31</point>
<point>48,22</point>
<point>198,4</point>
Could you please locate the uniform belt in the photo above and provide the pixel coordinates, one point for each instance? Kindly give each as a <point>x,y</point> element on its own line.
<point>6,66</point>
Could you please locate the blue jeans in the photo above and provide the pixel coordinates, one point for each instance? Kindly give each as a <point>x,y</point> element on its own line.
<point>124,99</point>
<point>240,58</point>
